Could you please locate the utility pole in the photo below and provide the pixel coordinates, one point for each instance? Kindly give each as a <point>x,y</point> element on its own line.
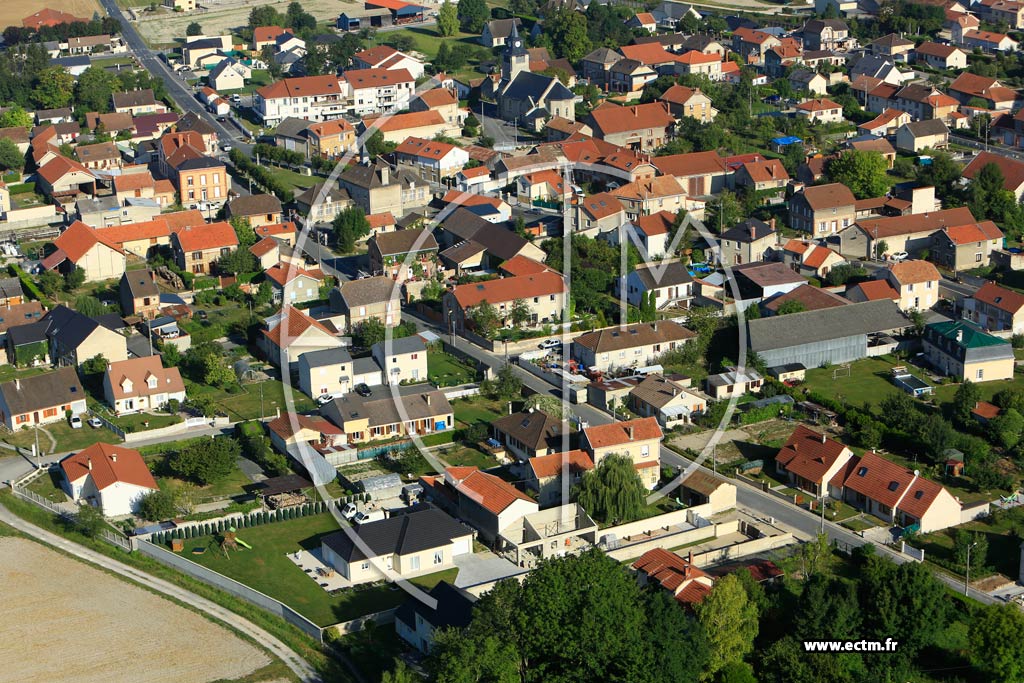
<point>824,497</point>
<point>967,570</point>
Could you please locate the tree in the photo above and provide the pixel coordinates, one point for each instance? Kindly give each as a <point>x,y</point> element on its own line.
<point>50,282</point>
<point>95,366</point>
<point>376,145</point>
<point>1007,428</point>
<point>400,674</point>
<point>567,30</point>
<point>520,313</point>
<point>484,318</point>
<point>371,331</point>
<point>612,492</point>
<point>472,15</point>
<point>506,385</point>
<point>11,158</point>
<point>194,29</point>
<point>89,306</point>
<point>447,19</point>
<point>666,623</point>
<point>243,231</point>
<point>237,261</point>
<point>206,462</point>
<point>265,15</point>
<point>964,401</point>
<point>841,274</point>
<point>996,647</point>
<point>905,599</point>
<point>94,87</point>
<point>977,543</point>
<point>730,621</point>
<point>74,279</point>
<point>16,117</point>
<point>725,212</point>
<point>89,520</point>
<point>791,306</point>
<point>881,248</point>
<point>54,88</point>
<point>350,226</point>
<point>863,172</point>
<point>216,372</point>
<point>158,506</point>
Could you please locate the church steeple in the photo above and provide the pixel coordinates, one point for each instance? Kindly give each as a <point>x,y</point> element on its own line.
<point>515,58</point>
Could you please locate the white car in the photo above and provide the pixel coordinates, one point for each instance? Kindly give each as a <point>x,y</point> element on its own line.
<point>349,511</point>
<point>95,422</point>
<point>324,399</point>
<point>898,257</point>
<point>549,344</point>
<point>76,422</point>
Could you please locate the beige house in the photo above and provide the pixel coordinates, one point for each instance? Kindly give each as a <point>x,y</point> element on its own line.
<point>963,351</point>
<point>403,359</point>
<point>141,384</point>
<point>809,460</point>
<point>671,402</point>
<point>820,111</point>
<point>917,283</point>
<point>822,209</point>
<point>326,372</point>
<point>293,285</point>
<point>488,503</point>
<point>197,248</point>
<point>382,416</point>
<point>996,308</point>
<point>643,127</point>
<point>407,545</point>
<point>544,475</point>
<point>920,135</point>
<point>41,399</point>
<point>292,333</point>
<point>689,102</point>
<point>732,382</point>
<point>968,246</point>
<point>808,259</point>
<point>258,209</point>
<point>379,188</point>
<point>748,242</point>
<point>372,297</point>
<point>634,345</point>
<point>83,247</point>
<point>321,203</point>
<point>543,293</point>
<point>75,338</point>
<point>639,440</point>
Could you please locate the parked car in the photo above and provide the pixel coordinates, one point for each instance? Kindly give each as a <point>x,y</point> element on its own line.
<point>324,399</point>
<point>898,256</point>
<point>349,511</point>
<point>363,390</point>
<point>76,422</point>
<point>222,119</point>
<point>371,516</point>
<point>549,344</point>
<point>95,422</point>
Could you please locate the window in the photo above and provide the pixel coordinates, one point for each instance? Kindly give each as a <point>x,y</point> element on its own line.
<point>981,373</point>
<point>977,257</point>
<point>197,255</point>
<point>438,557</point>
<point>21,418</point>
<point>414,563</point>
<point>50,412</point>
<point>645,451</point>
<point>364,566</point>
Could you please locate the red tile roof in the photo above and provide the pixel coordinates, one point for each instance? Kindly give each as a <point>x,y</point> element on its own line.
<point>57,168</point>
<point>766,171</point>
<point>666,568</point>
<point>818,105</point>
<point>973,232</point>
<point>656,223</point>
<point>429,149</point>
<point>360,79</point>
<point>332,127</point>
<point>545,466</point>
<point>283,274</point>
<point>601,205</point>
<point>380,220</point>
<point>611,118</point>
<point>648,54</point>
<point>914,271</point>
<point>108,465</point>
<point>876,290</point>
<point>264,247</point>
<point>986,410</point>
<point>617,433</point>
<point>292,325</point>
<point>509,289</point>
<point>79,238</point>
<point>809,454</point>
<point>891,485</point>
<point>691,164</point>
<point>305,86</point>
<point>203,237</point>
<point>146,230</point>
<point>698,57</point>
<point>490,492</point>
<point>1012,170</point>
<point>522,265</point>
<point>1000,297</point>
<point>288,424</point>
<point>413,119</point>
<point>268,34</point>
<point>270,229</point>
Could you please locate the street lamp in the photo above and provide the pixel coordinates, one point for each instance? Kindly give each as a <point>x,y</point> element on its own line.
<point>967,571</point>
<point>824,497</point>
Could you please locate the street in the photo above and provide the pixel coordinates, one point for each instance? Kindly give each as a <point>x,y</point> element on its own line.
<point>995,149</point>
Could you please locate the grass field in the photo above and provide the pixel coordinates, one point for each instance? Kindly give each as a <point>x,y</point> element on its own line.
<point>267,569</point>
<point>292,179</point>
<point>446,370</point>
<point>248,404</point>
<point>68,439</point>
<point>477,409</point>
<point>13,12</point>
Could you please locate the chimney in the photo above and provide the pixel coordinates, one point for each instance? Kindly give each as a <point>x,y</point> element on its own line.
<point>959,336</point>
<point>385,174</point>
<point>113,457</point>
<point>629,432</point>
<point>823,437</point>
<point>88,463</point>
<point>654,326</point>
<point>753,232</point>
<point>426,397</point>
<point>689,558</point>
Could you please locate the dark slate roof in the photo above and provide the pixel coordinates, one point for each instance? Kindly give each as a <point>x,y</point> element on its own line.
<point>534,429</point>
<point>193,122</point>
<point>317,359</point>
<point>28,334</point>
<point>11,287</point>
<point>140,283</point>
<point>369,177</point>
<point>401,345</point>
<point>204,43</point>
<point>674,273</point>
<point>454,608</point>
<point>500,242</point>
<point>59,387</point>
<point>199,162</point>
<point>796,329</point>
<point>528,85</point>
<point>292,127</point>
<point>464,224</point>
<point>254,205</point>
<point>70,326</point>
<point>401,535</point>
<point>741,231</point>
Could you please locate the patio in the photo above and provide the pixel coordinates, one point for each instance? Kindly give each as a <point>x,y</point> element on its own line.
<point>311,562</point>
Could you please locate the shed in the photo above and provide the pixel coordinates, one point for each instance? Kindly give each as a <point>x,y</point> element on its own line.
<point>381,486</point>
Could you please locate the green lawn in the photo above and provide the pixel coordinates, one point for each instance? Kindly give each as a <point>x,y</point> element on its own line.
<point>869,381</point>
<point>142,421</point>
<point>246,403</point>
<point>48,486</point>
<point>1003,554</point>
<point>447,371</point>
<point>465,456</point>
<point>68,439</point>
<point>426,39</point>
<point>294,180</point>
<point>260,78</point>
<point>476,409</point>
<point>858,524</point>
<point>267,569</point>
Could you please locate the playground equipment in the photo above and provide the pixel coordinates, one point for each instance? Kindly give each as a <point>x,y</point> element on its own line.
<point>230,541</point>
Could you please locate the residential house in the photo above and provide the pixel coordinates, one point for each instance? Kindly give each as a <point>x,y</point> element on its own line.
<point>112,478</point>
<point>403,359</point>
<point>330,139</point>
<point>497,31</point>
<point>139,294</point>
<point>321,202</point>
<point>827,34</point>
<point>141,239</point>
<point>920,135</point>
<point>629,76</point>
<point>315,98</point>
<point>379,188</point>
<point>896,494</point>
<point>751,241</point>
<point>820,111</point>
<point>1012,170</point>
<point>545,475</point>
<point>136,102</point>
<point>291,333</point>
<point>326,372</point>
<point>644,21</point>
<point>876,144</point>
<point>41,399</point>
<point>962,247</point>
<point>372,297</point>
<point>917,283</point>
<point>263,36</point>
<point>638,439</point>
<point>80,246</point>
<point>893,46</point>
<point>636,345</point>
<point>388,58</point>
<point>963,351</point>
<point>543,293</point>
<point>376,91</point>
<point>672,402</point>
<point>403,254</point>
<point>258,209</point>
<point>919,100</point>
<point>694,63</point>
<point>197,248</point>
<point>670,283</point>
<point>200,180</point>
<point>292,284</point>
<point>488,503</point>
<point>807,81</point>
<point>663,193</point>
<point>102,156</point>
<point>808,297</point>
<point>995,308</point>
<point>382,416</point>
<point>885,124</point>
<point>733,382</point>
<point>64,180</point>
<point>529,434</point>
<point>822,209</point>
<point>596,65</point>
<point>758,281</point>
<point>642,127</point>
<point>752,44</point>
<point>229,75</point>
<point>765,174</point>
<point>809,259</point>
<point>397,127</point>
<point>989,41</point>
<point>939,56</point>
<point>688,102</point>
<point>434,161</point>
<point>417,621</point>
<point>140,385</point>
<point>599,213</point>
<point>48,17</point>
<point>405,545</point>
<point>810,460</point>
<point>74,338</point>
<point>879,237</point>
<point>968,86</point>
<point>442,100</point>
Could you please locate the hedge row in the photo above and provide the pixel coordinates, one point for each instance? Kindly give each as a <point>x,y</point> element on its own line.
<point>243,522</point>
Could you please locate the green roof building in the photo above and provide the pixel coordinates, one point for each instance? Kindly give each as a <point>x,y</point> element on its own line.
<point>963,350</point>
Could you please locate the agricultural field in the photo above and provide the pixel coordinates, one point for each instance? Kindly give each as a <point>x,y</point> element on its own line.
<point>49,593</point>
<point>13,12</point>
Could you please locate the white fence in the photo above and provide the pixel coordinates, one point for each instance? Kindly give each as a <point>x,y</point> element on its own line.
<point>916,553</point>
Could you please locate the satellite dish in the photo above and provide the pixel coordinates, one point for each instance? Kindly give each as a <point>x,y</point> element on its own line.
<point>917,473</point>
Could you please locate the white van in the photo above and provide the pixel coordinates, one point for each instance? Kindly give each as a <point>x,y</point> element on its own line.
<point>371,516</point>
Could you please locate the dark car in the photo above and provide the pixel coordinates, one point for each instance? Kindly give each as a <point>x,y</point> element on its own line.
<point>201,315</point>
<point>222,119</point>
<point>363,390</point>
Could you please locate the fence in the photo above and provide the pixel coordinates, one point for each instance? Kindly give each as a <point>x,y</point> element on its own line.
<point>379,618</point>
<point>745,549</point>
<point>108,424</point>
<point>233,587</point>
<point>465,391</point>
<point>916,553</point>
<point>109,534</point>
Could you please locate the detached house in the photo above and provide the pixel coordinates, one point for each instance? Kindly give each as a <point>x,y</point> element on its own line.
<point>488,503</point>
<point>291,284</point>
<point>808,259</point>
<point>434,161</point>
<point>372,297</point>
<point>403,254</point>
<point>197,248</point>
<point>83,247</point>
<point>639,440</point>
<point>642,127</point>
<point>528,435</point>
<point>403,359</point>
<point>292,333</point>
<point>111,478</point>
<point>379,188</point>
<point>809,460</point>
<point>938,56</point>
<point>748,242</point>
<point>634,345</point>
<point>136,102</point>
<point>1012,170</point>
<point>916,282</point>
<point>41,399</point>
<point>767,174</point>
<point>671,402</point>
<point>670,282</point>
<point>544,474</point>
<point>996,308</point>
<point>141,384</point>
<point>258,209</point>
<point>382,416</point>
<point>820,111</point>
<point>543,293</point>
<point>963,247</point>
<point>920,135</point>
<point>961,350</point>
<point>822,209</point>
<point>968,86</point>
<point>689,102</point>
<point>139,294</point>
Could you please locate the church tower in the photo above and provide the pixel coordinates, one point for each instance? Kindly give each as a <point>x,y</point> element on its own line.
<point>515,58</point>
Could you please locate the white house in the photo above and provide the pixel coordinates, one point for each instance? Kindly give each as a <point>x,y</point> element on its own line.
<point>314,98</point>
<point>109,477</point>
<point>377,91</point>
<point>140,384</point>
<point>387,57</point>
<point>433,160</point>
<point>404,361</point>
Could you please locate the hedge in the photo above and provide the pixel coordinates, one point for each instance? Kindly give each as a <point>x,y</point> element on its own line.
<point>27,283</point>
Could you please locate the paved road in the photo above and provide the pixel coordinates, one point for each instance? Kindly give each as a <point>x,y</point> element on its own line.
<point>297,664</point>
<point>995,149</point>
